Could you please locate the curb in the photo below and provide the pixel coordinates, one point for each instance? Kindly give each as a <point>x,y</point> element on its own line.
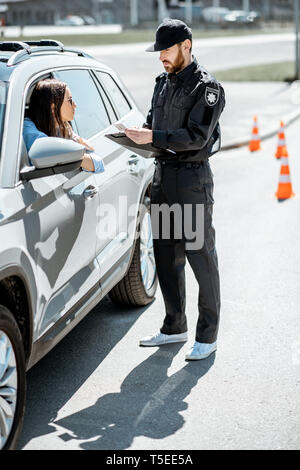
<point>234,145</point>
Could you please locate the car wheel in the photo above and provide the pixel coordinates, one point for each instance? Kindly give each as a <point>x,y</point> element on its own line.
<point>139,285</point>
<point>12,380</point>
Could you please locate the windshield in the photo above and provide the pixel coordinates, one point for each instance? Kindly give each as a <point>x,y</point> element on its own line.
<point>3,95</point>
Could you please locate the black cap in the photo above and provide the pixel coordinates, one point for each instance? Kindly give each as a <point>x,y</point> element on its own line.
<point>168,33</point>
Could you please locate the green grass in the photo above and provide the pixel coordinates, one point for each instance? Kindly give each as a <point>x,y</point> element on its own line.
<point>143,35</point>
<point>277,72</point>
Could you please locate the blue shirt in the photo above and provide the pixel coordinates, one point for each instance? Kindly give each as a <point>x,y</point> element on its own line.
<point>31,133</point>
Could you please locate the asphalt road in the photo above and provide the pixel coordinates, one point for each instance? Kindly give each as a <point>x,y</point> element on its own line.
<point>99,390</point>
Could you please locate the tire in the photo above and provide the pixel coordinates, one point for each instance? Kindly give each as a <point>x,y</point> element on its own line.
<point>133,290</point>
<point>12,380</point>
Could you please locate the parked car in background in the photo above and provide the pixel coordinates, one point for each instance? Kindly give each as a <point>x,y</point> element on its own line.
<point>70,20</point>
<point>214,14</point>
<point>180,11</point>
<point>229,18</point>
<point>89,20</point>
<point>255,16</point>
<point>68,237</point>
<point>241,17</point>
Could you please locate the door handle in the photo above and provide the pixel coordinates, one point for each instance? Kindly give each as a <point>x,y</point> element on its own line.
<point>133,162</point>
<point>133,159</point>
<point>90,191</point>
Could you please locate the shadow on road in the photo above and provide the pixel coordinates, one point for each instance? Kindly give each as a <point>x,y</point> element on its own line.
<point>57,377</point>
<point>148,404</point>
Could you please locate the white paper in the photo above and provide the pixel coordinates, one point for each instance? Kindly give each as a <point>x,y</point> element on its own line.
<point>120,126</point>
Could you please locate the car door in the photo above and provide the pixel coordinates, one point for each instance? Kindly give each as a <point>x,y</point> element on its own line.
<point>60,233</point>
<point>120,184</point>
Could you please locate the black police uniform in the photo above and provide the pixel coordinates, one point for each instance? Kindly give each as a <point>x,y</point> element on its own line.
<point>184,117</point>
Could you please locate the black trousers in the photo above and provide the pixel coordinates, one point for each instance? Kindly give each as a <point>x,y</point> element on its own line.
<point>186,188</point>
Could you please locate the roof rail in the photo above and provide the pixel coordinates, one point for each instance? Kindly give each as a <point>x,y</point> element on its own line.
<point>17,45</point>
<point>23,49</point>
<point>14,46</point>
<point>79,52</point>
<point>45,42</point>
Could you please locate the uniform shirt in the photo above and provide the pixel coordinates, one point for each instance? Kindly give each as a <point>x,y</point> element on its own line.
<point>185,112</point>
<point>31,133</point>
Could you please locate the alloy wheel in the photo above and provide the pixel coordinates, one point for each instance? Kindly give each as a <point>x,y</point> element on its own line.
<point>148,268</point>
<point>8,387</point>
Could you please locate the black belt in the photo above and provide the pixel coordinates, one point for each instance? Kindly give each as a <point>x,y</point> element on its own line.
<point>175,164</point>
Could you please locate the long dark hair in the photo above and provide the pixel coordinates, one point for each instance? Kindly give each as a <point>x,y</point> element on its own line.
<point>41,111</point>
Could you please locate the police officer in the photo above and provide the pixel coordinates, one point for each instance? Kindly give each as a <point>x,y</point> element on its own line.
<point>184,118</point>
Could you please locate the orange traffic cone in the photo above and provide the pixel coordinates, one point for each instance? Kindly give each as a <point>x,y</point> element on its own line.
<point>281,147</point>
<point>284,190</point>
<point>254,143</point>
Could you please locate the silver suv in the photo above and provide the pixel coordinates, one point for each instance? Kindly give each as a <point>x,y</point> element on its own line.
<point>68,237</point>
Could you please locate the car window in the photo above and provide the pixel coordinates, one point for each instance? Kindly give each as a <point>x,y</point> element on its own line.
<point>90,115</point>
<point>3,95</point>
<point>117,96</point>
<point>107,101</point>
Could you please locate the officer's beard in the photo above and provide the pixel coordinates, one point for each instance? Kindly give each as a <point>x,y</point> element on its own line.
<point>177,65</point>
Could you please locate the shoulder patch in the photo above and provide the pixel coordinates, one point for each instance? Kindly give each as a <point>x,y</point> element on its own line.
<point>211,96</point>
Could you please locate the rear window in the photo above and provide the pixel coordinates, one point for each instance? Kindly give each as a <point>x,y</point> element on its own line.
<point>117,96</point>
<point>3,96</point>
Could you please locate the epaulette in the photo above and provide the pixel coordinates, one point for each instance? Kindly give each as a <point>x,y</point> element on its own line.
<point>162,75</point>
<point>204,75</point>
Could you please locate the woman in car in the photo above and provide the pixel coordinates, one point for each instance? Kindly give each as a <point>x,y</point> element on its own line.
<point>50,112</point>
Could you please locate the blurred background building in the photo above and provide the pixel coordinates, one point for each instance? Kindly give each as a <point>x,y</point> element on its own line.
<point>137,12</point>
<point>69,12</point>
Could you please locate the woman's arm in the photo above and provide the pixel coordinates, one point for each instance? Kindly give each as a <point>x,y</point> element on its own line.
<point>87,163</point>
<point>82,141</point>
<point>91,161</point>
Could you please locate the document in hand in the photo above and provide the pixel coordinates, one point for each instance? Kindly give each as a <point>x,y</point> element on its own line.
<point>145,150</point>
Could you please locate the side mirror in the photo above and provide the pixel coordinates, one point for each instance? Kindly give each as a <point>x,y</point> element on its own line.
<point>52,155</point>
